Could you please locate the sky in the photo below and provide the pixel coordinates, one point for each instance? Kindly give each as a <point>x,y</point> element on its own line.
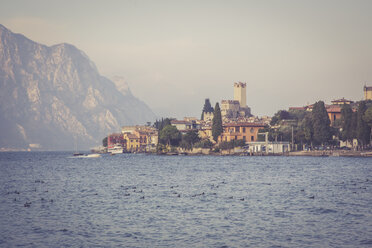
<point>174,54</point>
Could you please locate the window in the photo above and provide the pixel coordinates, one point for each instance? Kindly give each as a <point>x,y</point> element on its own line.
<point>244,138</point>
<point>236,137</point>
<point>237,129</point>
<point>251,130</point>
<point>252,138</point>
<point>243,129</point>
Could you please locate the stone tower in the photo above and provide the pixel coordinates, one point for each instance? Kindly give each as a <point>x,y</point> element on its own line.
<point>367,92</point>
<point>240,94</point>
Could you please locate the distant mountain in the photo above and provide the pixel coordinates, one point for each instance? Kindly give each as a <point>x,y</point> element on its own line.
<point>50,96</point>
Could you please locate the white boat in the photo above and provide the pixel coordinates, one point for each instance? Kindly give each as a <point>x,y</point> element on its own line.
<point>116,149</point>
<point>93,155</point>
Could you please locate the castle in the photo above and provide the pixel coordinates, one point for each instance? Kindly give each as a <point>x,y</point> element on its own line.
<point>233,109</point>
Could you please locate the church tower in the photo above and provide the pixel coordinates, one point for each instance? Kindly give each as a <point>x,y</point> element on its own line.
<point>240,94</point>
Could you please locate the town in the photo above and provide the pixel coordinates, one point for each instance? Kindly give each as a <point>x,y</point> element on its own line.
<point>229,128</point>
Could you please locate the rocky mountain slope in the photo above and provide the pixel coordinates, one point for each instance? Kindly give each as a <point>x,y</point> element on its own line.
<point>50,96</point>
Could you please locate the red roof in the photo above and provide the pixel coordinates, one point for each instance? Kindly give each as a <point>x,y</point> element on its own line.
<point>334,109</point>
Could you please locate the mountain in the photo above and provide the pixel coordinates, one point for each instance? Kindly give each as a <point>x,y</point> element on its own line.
<point>51,96</point>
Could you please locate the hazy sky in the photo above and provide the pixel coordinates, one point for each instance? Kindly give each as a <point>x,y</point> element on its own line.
<point>174,54</point>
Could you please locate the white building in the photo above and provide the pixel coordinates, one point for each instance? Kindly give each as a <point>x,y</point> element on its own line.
<point>269,147</point>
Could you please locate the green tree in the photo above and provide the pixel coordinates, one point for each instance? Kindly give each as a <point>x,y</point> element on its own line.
<point>104,142</point>
<point>160,124</point>
<point>205,143</point>
<point>321,124</point>
<point>306,130</point>
<point>298,114</point>
<point>368,119</point>
<point>189,139</point>
<point>170,135</point>
<point>346,123</point>
<point>216,122</point>
<point>363,130</point>
<point>368,116</point>
<point>280,115</point>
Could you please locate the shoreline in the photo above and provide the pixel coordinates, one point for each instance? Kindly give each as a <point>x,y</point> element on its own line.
<point>331,153</point>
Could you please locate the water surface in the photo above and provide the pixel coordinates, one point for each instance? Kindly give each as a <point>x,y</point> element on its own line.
<point>49,199</point>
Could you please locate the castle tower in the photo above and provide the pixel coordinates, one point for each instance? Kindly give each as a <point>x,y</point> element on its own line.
<point>240,94</point>
<point>367,92</point>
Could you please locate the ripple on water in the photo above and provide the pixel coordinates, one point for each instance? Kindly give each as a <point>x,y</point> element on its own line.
<point>202,201</point>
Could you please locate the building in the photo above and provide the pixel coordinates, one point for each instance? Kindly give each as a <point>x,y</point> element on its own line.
<point>240,94</point>
<point>140,138</point>
<point>205,132</point>
<point>208,111</point>
<point>132,142</point>
<point>269,147</point>
<point>341,101</point>
<point>232,109</point>
<point>334,113</point>
<point>186,125</point>
<point>246,131</point>
<point>116,140</point>
<point>367,92</point>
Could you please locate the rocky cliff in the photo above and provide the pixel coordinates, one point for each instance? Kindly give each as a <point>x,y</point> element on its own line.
<point>50,96</point>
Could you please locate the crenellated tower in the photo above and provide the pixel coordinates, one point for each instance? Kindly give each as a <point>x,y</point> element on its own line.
<point>240,94</point>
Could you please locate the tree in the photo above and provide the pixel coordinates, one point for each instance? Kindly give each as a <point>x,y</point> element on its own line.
<point>170,135</point>
<point>363,130</point>
<point>321,124</point>
<point>206,143</point>
<point>306,127</point>
<point>280,115</point>
<point>346,123</point>
<point>298,114</point>
<point>104,142</point>
<point>367,117</point>
<point>162,123</point>
<point>216,122</point>
<point>207,108</point>
<point>191,137</point>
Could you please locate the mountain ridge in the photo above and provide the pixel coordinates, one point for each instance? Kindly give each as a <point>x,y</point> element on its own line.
<point>50,95</point>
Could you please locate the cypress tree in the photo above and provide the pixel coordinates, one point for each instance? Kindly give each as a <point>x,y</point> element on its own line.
<point>321,123</point>
<point>367,117</point>
<point>346,123</point>
<point>363,130</point>
<point>216,122</point>
<point>307,125</point>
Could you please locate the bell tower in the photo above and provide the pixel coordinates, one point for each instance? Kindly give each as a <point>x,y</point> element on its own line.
<point>240,94</point>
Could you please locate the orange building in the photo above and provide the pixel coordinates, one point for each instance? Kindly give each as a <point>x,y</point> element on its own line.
<point>334,113</point>
<point>246,131</point>
<point>334,110</point>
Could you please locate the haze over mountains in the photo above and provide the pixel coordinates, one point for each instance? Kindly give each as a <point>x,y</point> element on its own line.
<point>50,96</point>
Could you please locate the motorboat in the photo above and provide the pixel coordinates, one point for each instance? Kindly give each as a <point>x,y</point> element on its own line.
<point>116,149</point>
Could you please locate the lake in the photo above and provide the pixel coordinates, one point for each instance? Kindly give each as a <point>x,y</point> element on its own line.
<point>50,199</point>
